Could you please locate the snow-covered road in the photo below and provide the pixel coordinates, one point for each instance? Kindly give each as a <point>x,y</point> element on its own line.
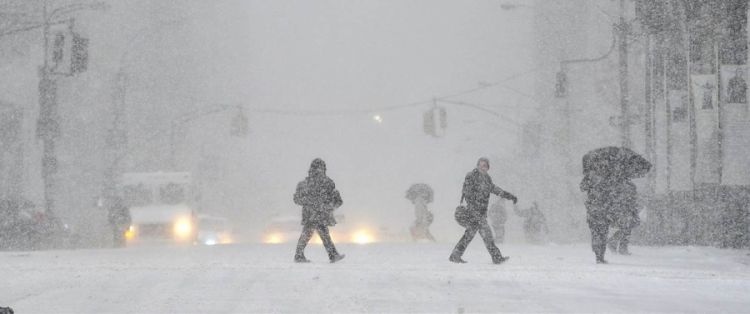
<point>398,277</point>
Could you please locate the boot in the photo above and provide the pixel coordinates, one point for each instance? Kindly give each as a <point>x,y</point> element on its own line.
<point>600,256</point>
<point>500,260</point>
<point>612,244</point>
<point>456,259</point>
<point>337,258</point>
<point>300,258</point>
<point>624,249</point>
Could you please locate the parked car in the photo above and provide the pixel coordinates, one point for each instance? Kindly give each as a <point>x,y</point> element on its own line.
<point>24,227</point>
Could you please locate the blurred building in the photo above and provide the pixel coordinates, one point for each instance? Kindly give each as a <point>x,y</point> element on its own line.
<point>677,69</point>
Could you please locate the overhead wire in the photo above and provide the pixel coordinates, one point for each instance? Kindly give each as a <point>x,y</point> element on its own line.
<point>342,111</point>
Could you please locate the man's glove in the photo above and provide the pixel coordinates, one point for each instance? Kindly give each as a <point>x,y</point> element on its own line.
<point>513,198</point>
<point>509,196</point>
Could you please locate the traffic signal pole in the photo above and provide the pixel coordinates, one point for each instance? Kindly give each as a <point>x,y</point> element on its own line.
<point>47,123</point>
<point>622,35</point>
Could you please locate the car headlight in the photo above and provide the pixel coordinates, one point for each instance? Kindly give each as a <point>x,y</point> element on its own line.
<point>363,237</point>
<point>274,238</point>
<point>130,233</point>
<point>183,228</point>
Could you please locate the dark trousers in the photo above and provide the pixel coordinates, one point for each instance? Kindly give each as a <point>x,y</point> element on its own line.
<point>484,230</point>
<point>620,239</point>
<point>599,229</point>
<point>325,236</point>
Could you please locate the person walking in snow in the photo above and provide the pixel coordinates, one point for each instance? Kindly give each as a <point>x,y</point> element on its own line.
<point>497,216</point>
<point>534,223</point>
<point>476,191</point>
<point>625,217</point>
<point>607,172</point>
<point>318,197</point>
<point>421,194</point>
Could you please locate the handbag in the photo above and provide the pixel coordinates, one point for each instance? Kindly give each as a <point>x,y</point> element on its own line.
<point>463,216</point>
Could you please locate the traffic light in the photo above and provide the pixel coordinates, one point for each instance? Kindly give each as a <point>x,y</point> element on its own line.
<point>68,51</point>
<point>79,54</point>
<point>435,121</point>
<point>58,49</point>
<point>561,84</point>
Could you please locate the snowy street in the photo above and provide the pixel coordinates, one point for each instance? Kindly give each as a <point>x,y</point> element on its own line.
<point>394,277</point>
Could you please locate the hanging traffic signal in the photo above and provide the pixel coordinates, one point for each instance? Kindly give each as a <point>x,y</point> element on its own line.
<point>58,49</point>
<point>79,54</point>
<point>435,121</point>
<point>68,51</point>
<point>561,84</point>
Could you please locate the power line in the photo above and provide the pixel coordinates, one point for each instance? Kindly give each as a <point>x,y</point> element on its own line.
<point>334,112</point>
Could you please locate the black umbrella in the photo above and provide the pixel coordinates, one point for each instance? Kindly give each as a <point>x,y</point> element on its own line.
<point>619,162</point>
<point>419,189</point>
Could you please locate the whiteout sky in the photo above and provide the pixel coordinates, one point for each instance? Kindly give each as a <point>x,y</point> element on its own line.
<point>344,56</point>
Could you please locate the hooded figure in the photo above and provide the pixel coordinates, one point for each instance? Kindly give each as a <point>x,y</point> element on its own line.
<point>318,197</point>
<point>476,191</point>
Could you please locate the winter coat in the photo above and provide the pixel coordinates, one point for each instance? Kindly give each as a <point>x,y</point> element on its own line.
<point>318,196</point>
<point>625,206</point>
<point>610,199</point>
<point>476,191</point>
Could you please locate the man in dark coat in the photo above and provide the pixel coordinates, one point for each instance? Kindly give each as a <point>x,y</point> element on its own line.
<point>476,191</point>
<point>318,197</point>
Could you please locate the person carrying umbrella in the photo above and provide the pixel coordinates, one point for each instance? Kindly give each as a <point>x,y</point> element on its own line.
<point>421,194</point>
<point>606,180</point>
<point>625,218</point>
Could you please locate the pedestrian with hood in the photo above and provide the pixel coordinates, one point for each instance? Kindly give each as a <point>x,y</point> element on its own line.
<point>318,197</point>
<point>476,191</point>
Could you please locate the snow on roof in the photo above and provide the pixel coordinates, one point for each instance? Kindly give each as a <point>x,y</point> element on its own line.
<point>134,178</point>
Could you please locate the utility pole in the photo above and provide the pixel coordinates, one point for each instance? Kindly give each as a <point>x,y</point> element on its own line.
<point>623,28</point>
<point>48,122</point>
<point>48,125</point>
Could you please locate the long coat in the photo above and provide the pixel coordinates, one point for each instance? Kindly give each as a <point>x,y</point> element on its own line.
<point>477,189</point>
<point>318,197</point>
<point>610,199</point>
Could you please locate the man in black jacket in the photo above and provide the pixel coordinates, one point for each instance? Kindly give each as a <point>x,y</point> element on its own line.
<point>318,197</point>
<point>476,191</point>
